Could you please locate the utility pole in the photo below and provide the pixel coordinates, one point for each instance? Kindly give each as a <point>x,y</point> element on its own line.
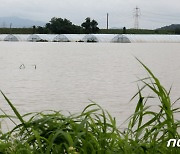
<point>136,17</point>
<point>10,28</point>
<point>107,21</point>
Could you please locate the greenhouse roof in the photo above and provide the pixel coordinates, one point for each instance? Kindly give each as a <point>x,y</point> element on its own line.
<point>116,38</point>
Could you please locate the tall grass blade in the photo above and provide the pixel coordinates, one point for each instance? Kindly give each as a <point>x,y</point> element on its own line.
<point>14,109</point>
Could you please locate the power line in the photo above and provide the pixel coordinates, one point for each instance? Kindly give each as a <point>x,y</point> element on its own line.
<point>154,20</point>
<point>159,17</point>
<point>160,14</point>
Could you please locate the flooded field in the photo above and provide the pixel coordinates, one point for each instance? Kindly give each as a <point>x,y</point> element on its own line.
<point>67,76</point>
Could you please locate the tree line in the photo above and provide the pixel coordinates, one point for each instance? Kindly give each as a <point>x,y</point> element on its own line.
<point>65,26</point>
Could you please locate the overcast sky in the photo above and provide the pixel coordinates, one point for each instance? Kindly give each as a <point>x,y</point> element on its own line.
<point>153,13</point>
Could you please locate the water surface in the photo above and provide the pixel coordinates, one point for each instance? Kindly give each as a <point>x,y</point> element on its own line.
<point>69,75</point>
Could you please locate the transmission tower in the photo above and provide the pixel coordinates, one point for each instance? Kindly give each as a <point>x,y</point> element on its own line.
<point>136,17</point>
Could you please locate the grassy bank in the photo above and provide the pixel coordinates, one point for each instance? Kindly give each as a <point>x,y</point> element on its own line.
<point>16,31</point>
<point>102,31</point>
<point>95,131</point>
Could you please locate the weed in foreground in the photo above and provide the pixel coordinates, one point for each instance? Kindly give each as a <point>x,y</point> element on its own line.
<point>94,131</point>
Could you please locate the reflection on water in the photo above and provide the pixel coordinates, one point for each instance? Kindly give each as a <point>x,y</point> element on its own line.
<point>66,76</point>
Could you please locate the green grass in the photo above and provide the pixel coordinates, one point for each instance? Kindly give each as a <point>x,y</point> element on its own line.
<point>102,31</point>
<point>16,31</point>
<point>94,130</point>
<point>135,31</point>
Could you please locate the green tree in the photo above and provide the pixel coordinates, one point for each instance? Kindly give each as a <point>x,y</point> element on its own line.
<point>94,26</point>
<point>124,30</point>
<point>62,26</point>
<point>90,26</point>
<point>87,25</point>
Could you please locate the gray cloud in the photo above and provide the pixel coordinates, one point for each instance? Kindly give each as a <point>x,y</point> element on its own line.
<point>154,13</point>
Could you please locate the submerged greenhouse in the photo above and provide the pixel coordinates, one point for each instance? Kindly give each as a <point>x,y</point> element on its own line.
<point>98,37</point>
<point>61,38</point>
<point>106,38</point>
<point>2,37</point>
<point>41,38</point>
<point>146,38</point>
<point>33,38</point>
<point>68,38</point>
<point>90,38</point>
<point>11,37</point>
<point>121,39</point>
